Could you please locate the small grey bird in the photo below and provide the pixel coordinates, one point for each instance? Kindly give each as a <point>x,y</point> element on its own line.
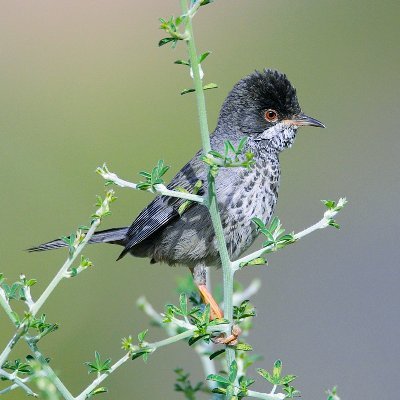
<point>262,106</point>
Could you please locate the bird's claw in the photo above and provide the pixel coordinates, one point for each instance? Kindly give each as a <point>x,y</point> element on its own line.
<point>231,340</point>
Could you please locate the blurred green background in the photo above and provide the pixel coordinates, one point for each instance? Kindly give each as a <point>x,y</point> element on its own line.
<point>83,82</point>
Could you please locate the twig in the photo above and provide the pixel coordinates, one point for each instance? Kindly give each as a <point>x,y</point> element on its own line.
<point>265,396</point>
<point>16,382</point>
<point>321,224</point>
<point>158,189</point>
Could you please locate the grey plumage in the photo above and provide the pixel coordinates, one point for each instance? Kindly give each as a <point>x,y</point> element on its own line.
<point>162,235</point>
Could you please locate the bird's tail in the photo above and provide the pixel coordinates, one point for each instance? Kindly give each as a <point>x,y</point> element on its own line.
<point>114,235</point>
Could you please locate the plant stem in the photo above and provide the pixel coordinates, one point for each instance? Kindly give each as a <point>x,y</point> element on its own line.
<point>49,371</point>
<point>101,378</point>
<point>321,224</point>
<point>212,200</point>
<point>159,189</point>
<point>265,396</point>
<point>61,273</point>
<point>18,334</point>
<point>6,306</point>
<point>16,382</point>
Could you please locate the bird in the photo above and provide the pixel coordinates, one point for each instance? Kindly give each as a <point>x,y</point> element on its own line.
<point>263,106</point>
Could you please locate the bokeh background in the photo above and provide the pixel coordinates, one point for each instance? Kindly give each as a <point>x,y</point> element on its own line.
<point>83,82</point>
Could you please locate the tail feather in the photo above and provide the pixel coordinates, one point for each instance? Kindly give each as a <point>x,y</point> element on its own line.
<point>113,235</point>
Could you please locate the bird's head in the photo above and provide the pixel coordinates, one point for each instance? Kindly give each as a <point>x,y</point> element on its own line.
<point>264,106</point>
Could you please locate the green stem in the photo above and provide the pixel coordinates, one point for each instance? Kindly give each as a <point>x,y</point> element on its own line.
<point>61,273</point>
<point>66,394</point>
<point>18,334</point>
<point>6,306</point>
<point>17,382</point>
<point>321,224</point>
<point>265,396</point>
<point>212,199</point>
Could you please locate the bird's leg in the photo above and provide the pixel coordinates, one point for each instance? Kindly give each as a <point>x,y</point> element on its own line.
<point>199,273</point>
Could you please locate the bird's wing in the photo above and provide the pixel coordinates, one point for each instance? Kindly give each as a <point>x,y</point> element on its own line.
<point>163,209</point>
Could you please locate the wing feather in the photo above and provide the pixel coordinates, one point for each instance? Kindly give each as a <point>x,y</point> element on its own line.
<point>164,209</point>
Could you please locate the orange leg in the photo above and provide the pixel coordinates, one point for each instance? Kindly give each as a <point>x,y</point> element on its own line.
<point>199,273</point>
<point>216,312</point>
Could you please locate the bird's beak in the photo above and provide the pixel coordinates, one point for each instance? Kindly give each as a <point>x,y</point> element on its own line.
<point>304,120</point>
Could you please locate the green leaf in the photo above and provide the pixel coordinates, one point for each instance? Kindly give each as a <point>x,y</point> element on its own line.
<point>259,223</point>
<point>216,154</point>
<point>233,371</point>
<point>182,62</point>
<point>218,378</point>
<point>244,347</point>
<point>242,143</point>
<point>333,223</point>
<point>166,40</point>
<point>196,338</point>
<point>97,391</point>
<point>141,336</point>
<point>229,394</point>
<point>256,261</point>
<point>186,91</point>
<point>266,375</point>
<point>203,56</point>
<point>291,392</point>
<point>274,224</point>
<point>15,318</point>
<point>210,86</point>
<point>30,282</point>
<point>98,366</point>
<point>330,204</point>
<point>183,303</point>
<point>287,379</point>
<point>276,372</point>
<point>216,354</point>
<point>142,352</point>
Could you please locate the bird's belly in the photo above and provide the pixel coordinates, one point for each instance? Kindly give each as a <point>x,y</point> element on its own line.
<point>240,231</point>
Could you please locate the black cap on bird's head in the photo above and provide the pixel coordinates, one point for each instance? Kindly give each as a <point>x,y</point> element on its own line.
<point>264,106</point>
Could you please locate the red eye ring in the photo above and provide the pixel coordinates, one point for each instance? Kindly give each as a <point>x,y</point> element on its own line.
<point>271,115</point>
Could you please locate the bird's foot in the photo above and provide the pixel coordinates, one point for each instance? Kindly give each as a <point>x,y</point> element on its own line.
<point>230,340</point>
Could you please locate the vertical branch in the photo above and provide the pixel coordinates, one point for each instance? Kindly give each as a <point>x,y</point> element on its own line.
<point>212,199</point>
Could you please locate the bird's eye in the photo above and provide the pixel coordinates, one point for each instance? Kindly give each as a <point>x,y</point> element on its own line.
<point>271,115</point>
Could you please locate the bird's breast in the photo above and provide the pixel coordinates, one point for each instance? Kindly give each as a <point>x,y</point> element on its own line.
<point>254,193</point>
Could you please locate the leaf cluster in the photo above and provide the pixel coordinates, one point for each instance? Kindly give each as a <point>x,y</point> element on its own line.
<point>333,208</point>
<point>332,394</point>
<point>232,157</point>
<point>98,365</point>
<point>171,27</point>
<point>227,384</point>
<point>243,311</point>
<point>181,311</point>
<point>274,234</point>
<point>275,378</point>
<point>202,321</point>
<point>184,385</point>
<point>142,349</point>
<point>83,264</point>
<point>154,177</point>
<point>18,367</point>
<point>103,206</point>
